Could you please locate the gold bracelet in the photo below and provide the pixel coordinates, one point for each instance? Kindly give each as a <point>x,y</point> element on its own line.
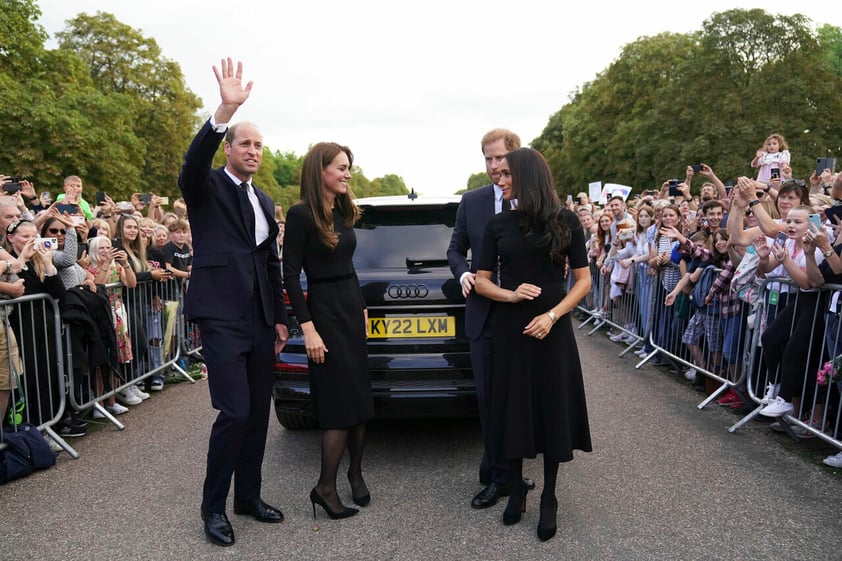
<point>552,316</point>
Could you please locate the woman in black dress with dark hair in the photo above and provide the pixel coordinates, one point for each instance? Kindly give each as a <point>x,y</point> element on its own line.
<point>537,395</point>
<point>320,240</point>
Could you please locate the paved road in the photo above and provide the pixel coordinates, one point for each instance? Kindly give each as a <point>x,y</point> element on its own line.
<point>665,481</point>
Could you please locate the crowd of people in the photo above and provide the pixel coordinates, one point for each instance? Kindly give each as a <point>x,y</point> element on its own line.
<point>642,261</point>
<point>132,259</point>
<point>692,272</point>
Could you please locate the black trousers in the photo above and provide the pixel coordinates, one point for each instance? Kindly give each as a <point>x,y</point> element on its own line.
<point>482,355</point>
<point>240,357</point>
<point>793,343</point>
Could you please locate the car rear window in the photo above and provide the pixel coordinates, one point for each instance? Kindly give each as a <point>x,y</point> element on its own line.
<point>404,236</point>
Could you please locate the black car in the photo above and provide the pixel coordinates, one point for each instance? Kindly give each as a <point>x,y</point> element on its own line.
<point>418,354</point>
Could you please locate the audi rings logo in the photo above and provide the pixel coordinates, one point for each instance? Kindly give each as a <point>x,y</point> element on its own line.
<point>407,291</point>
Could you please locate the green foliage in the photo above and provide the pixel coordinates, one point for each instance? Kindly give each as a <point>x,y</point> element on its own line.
<point>830,39</point>
<point>389,184</point>
<point>475,180</point>
<point>125,65</point>
<point>105,106</point>
<point>710,96</point>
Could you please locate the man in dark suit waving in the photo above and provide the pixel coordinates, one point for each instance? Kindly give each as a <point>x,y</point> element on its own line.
<point>236,298</point>
<point>477,207</point>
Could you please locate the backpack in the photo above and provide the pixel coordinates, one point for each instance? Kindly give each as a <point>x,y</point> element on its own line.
<point>702,288</point>
<point>745,282</point>
<point>26,451</point>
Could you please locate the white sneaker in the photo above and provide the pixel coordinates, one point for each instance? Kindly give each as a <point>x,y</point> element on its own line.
<point>117,409</point>
<point>618,337</point>
<point>127,396</point>
<point>777,407</point>
<point>771,393</point>
<point>834,461</point>
<point>690,374</point>
<point>641,353</point>
<point>139,393</point>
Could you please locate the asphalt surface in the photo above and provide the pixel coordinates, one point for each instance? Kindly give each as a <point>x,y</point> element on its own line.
<point>665,481</point>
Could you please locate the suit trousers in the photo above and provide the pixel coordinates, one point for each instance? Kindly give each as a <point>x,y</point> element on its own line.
<point>240,358</point>
<point>482,354</point>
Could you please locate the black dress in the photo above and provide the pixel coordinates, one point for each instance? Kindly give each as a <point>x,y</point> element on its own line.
<point>537,396</point>
<point>340,386</point>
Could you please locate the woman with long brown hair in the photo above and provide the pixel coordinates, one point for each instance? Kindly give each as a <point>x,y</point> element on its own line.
<point>537,392</point>
<point>320,240</point>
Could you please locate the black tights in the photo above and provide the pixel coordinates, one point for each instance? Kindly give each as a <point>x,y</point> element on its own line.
<point>549,502</point>
<point>334,442</point>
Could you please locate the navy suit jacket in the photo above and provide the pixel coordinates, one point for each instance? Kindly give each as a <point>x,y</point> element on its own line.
<point>227,264</point>
<point>475,210</point>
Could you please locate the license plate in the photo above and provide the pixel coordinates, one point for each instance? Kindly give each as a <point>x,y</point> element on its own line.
<point>414,326</point>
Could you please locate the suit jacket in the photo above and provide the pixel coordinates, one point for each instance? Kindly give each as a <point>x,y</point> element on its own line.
<point>227,264</point>
<point>475,210</point>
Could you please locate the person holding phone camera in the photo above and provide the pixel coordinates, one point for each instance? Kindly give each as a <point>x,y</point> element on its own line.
<point>34,325</point>
<point>788,341</point>
<point>110,265</point>
<point>73,196</point>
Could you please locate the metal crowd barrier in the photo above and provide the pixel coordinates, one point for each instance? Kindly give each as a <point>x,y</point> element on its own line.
<point>32,325</point>
<point>155,328</point>
<point>46,384</point>
<point>728,350</point>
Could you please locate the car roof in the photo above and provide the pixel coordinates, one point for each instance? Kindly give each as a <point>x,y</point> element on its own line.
<point>403,200</point>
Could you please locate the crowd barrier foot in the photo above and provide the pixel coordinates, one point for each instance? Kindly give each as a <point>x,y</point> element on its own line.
<point>713,396</point>
<point>597,327</point>
<point>50,433</point>
<point>183,372</point>
<point>744,421</point>
<point>107,415</point>
<point>630,346</point>
<point>646,359</point>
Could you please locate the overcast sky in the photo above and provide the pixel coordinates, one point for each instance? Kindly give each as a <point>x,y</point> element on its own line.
<point>410,87</point>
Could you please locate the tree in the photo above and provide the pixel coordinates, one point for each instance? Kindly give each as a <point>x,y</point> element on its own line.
<point>709,96</point>
<point>389,184</point>
<point>125,65</point>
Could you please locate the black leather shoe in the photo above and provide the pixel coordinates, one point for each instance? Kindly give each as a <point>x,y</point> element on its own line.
<point>259,510</point>
<point>528,483</point>
<point>489,496</point>
<point>218,529</point>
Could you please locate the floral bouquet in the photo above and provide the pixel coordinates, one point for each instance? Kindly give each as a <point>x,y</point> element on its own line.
<point>829,371</point>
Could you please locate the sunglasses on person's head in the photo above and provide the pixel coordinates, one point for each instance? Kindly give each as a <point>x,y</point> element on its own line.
<point>794,182</point>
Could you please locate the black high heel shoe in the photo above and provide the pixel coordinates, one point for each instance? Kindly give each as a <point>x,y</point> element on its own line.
<point>546,533</point>
<point>510,518</point>
<point>361,500</point>
<point>315,498</point>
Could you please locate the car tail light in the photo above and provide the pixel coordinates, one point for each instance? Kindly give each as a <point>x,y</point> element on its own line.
<point>291,368</point>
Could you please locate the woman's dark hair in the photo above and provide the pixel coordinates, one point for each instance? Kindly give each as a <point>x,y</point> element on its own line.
<point>313,191</point>
<point>538,204</point>
<point>798,187</point>
<point>46,226</point>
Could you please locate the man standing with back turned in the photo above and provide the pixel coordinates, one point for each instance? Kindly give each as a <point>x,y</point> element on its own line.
<point>477,207</point>
<point>235,297</point>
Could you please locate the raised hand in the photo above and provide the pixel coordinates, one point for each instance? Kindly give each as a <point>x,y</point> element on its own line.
<point>231,90</point>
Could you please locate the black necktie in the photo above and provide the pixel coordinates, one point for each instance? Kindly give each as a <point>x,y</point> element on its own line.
<point>506,205</point>
<point>246,208</point>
